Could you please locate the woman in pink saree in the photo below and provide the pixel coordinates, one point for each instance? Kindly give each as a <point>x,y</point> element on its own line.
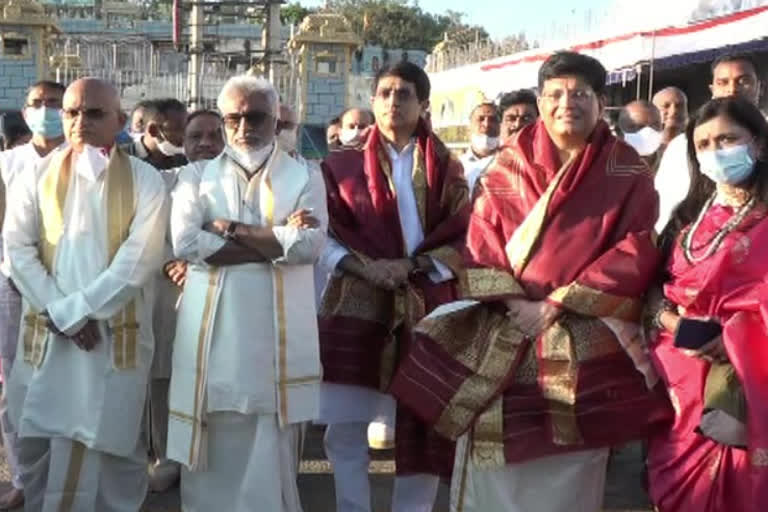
<point>717,269</point>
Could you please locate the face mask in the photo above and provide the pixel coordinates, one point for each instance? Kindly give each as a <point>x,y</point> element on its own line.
<point>169,149</point>
<point>646,141</point>
<point>287,140</point>
<point>484,143</point>
<point>729,166</point>
<point>250,159</point>
<point>350,136</point>
<point>45,122</point>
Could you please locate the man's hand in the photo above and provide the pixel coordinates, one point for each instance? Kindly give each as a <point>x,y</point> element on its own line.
<point>388,274</point>
<point>302,219</point>
<point>532,317</point>
<point>88,337</point>
<point>176,271</point>
<point>217,226</point>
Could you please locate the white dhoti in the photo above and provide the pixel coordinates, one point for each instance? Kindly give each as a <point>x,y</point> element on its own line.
<point>240,449</point>
<point>348,411</point>
<point>570,482</point>
<point>61,475</point>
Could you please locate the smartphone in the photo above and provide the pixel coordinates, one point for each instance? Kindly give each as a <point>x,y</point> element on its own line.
<point>693,334</point>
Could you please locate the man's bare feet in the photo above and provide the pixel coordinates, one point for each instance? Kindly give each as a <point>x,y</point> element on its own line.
<point>12,499</point>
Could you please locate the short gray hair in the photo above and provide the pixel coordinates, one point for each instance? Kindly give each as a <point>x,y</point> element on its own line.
<point>248,85</point>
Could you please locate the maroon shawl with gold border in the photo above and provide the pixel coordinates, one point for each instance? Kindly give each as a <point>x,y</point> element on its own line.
<point>587,246</point>
<point>365,330</point>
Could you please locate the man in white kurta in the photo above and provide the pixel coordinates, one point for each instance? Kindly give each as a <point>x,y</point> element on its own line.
<point>484,126</point>
<point>246,366</point>
<point>83,242</point>
<point>42,115</point>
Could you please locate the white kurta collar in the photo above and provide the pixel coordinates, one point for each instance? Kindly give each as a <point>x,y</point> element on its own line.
<point>91,162</point>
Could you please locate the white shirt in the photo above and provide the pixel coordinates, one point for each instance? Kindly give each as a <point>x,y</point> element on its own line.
<point>474,167</point>
<point>14,162</point>
<point>76,394</point>
<point>410,222</point>
<point>673,179</point>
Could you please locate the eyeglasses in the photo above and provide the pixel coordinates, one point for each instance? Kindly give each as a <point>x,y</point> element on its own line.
<point>253,118</point>
<point>577,95</point>
<point>95,114</point>
<point>47,102</point>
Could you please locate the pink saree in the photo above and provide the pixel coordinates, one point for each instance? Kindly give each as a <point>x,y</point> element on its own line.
<point>689,472</point>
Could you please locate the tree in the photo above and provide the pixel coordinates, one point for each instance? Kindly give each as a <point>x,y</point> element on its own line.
<point>397,24</point>
<point>294,13</point>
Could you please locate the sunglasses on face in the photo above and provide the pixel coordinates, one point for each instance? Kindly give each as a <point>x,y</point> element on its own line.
<point>252,118</point>
<point>95,114</point>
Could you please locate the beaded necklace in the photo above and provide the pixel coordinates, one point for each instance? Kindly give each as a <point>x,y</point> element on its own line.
<point>721,233</point>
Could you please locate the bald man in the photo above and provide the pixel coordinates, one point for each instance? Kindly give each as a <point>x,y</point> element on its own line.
<point>673,105</point>
<point>640,124</point>
<point>353,122</point>
<point>83,243</point>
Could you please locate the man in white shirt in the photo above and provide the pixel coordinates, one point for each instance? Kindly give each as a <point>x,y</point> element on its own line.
<point>732,75</point>
<point>246,366</point>
<point>84,242</point>
<point>398,211</point>
<point>483,142</point>
<point>673,106</point>
<point>42,113</point>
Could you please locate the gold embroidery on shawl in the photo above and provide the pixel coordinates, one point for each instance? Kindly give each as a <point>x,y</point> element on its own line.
<point>488,344</point>
<point>74,467</point>
<point>200,391</point>
<point>488,438</point>
<point>520,247</point>
<point>758,457</point>
<point>347,295</point>
<point>592,302</point>
<point>386,166</point>
<point>460,470</point>
<point>419,179</point>
<point>490,282</point>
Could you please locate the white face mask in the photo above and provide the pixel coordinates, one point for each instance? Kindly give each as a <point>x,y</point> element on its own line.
<point>169,149</point>
<point>646,141</point>
<point>91,162</point>
<point>483,143</point>
<point>350,136</point>
<point>250,159</point>
<point>287,140</point>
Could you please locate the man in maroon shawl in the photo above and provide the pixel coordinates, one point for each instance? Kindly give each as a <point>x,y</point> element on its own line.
<point>398,213</point>
<point>544,368</point>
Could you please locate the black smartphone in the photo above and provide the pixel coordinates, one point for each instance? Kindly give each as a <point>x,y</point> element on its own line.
<point>694,334</point>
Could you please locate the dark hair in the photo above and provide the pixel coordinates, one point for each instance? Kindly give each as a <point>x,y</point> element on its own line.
<point>335,120</point>
<point>735,57</point>
<point>409,72</point>
<point>203,112</point>
<point>519,97</point>
<point>12,128</point>
<point>47,84</point>
<point>746,115</point>
<point>157,110</point>
<point>624,119</point>
<point>143,104</point>
<point>587,68</point>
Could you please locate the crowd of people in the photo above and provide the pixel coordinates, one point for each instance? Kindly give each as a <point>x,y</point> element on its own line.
<point>507,317</point>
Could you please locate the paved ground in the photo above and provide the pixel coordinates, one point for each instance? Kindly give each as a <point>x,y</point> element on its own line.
<point>623,489</point>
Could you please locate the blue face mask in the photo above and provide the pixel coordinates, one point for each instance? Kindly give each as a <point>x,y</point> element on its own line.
<point>729,166</point>
<point>45,122</point>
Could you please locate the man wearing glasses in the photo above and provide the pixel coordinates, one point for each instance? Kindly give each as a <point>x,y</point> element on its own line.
<point>246,366</point>
<point>83,242</point>
<point>398,208</point>
<point>42,113</point>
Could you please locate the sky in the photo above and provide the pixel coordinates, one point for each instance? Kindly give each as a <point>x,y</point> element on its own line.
<point>548,19</point>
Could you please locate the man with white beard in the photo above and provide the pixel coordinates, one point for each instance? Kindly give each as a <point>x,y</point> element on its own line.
<point>246,365</point>
<point>484,126</point>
